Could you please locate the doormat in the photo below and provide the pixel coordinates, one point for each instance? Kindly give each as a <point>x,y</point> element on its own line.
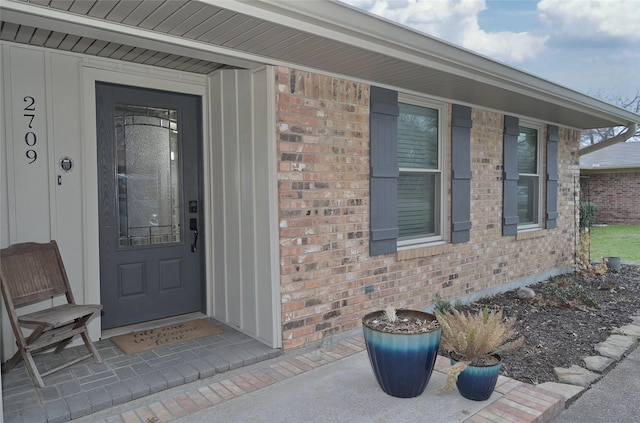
<point>164,336</point>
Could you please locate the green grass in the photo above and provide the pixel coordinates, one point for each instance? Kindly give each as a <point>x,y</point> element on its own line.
<point>616,241</point>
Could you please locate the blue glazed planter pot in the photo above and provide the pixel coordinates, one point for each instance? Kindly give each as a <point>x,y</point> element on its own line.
<point>478,382</point>
<point>402,363</point>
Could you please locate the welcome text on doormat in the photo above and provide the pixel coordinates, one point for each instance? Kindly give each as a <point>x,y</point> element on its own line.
<point>149,339</point>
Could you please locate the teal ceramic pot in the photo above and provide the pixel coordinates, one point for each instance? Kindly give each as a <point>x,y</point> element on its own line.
<point>402,363</point>
<point>478,382</point>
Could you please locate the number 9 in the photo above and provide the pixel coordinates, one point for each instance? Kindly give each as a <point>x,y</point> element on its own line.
<point>32,155</point>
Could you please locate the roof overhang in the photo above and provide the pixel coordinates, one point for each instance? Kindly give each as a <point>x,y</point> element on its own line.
<point>320,36</point>
<point>588,170</point>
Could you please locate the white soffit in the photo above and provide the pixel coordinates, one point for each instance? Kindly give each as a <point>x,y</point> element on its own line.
<point>324,36</point>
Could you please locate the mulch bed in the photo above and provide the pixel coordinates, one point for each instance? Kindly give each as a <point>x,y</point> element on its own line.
<point>567,318</point>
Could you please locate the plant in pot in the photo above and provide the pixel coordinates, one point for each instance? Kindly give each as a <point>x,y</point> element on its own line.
<point>474,342</point>
<point>402,346</point>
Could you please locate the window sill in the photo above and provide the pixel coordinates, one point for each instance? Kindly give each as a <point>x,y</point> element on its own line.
<point>411,253</point>
<point>534,233</point>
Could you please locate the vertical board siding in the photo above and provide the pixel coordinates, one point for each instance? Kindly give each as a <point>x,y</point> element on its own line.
<point>66,127</point>
<point>29,209</point>
<point>37,208</point>
<point>247,206</point>
<point>217,195</point>
<point>266,271</point>
<point>243,259</point>
<point>231,199</point>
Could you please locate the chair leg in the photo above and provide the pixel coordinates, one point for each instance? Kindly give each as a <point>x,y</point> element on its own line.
<point>29,363</point>
<point>33,370</point>
<point>91,346</point>
<point>12,362</point>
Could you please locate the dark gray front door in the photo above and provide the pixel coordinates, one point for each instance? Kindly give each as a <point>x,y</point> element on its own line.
<point>150,208</point>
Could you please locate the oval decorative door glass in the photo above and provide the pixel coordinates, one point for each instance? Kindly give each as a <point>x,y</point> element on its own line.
<point>147,169</point>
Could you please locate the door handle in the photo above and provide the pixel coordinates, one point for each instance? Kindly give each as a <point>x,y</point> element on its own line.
<point>193,225</point>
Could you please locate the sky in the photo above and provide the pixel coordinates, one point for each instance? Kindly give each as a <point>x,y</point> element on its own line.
<point>591,46</point>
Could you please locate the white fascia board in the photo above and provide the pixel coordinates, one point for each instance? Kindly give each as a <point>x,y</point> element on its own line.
<point>344,23</point>
<point>334,21</point>
<point>64,22</point>
<point>600,169</point>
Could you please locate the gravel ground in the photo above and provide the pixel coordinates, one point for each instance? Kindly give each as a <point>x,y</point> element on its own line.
<point>565,320</point>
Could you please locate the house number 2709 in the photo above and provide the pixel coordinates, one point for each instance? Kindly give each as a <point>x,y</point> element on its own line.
<point>30,138</point>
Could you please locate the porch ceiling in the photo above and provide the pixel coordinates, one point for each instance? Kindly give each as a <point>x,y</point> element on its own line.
<point>202,36</point>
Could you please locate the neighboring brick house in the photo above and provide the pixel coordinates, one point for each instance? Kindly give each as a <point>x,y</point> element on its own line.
<point>610,178</point>
<point>339,162</point>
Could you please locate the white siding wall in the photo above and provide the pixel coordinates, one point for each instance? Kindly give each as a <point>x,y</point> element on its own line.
<point>33,207</point>
<point>240,176</point>
<point>244,202</point>
<point>30,192</point>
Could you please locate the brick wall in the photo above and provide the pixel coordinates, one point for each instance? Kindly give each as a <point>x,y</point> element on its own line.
<point>328,279</point>
<point>616,196</point>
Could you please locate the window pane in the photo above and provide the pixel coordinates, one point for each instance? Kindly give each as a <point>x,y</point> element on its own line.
<point>417,137</point>
<point>418,204</point>
<point>147,171</point>
<point>528,151</point>
<point>527,200</point>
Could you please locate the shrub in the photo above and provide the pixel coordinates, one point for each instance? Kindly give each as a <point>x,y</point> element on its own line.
<point>565,291</point>
<point>587,214</point>
<point>445,306</point>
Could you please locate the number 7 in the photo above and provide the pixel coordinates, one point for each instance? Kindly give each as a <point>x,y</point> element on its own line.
<point>30,120</point>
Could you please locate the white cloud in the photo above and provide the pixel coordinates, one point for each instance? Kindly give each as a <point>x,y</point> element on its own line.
<point>512,47</point>
<point>457,22</point>
<point>585,20</point>
<point>588,45</point>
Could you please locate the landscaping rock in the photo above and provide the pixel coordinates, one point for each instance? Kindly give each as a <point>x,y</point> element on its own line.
<point>616,346</point>
<point>525,293</point>
<point>575,375</point>
<point>562,334</point>
<point>598,363</point>
<point>629,330</point>
<point>568,391</point>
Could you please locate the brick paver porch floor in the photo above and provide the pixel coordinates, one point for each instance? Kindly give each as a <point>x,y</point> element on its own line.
<point>173,382</point>
<point>89,387</point>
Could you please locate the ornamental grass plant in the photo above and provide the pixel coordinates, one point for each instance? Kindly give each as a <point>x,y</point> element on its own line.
<point>475,339</point>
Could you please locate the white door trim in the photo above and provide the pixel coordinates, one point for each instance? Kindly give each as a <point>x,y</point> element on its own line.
<point>89,169</point>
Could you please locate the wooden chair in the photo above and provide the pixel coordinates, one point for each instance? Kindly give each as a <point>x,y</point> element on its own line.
<point>31,272</point>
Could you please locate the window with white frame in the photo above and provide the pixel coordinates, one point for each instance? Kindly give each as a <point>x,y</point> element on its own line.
<point>529,176</point>
<point>419,149</point>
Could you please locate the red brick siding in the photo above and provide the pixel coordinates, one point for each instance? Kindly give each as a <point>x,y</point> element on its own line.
<point>323,188</point>
<point>616,196</point>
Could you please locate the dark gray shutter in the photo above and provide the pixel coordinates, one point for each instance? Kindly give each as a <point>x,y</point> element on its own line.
<point>460,174</point>
<point>553,137</point>
<point>510,176</point>
<point>384,171</point>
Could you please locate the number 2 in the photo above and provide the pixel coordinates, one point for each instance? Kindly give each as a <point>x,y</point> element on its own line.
<point>31,107</point>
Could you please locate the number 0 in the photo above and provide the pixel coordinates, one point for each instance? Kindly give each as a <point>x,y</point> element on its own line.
<point>30,138</point>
